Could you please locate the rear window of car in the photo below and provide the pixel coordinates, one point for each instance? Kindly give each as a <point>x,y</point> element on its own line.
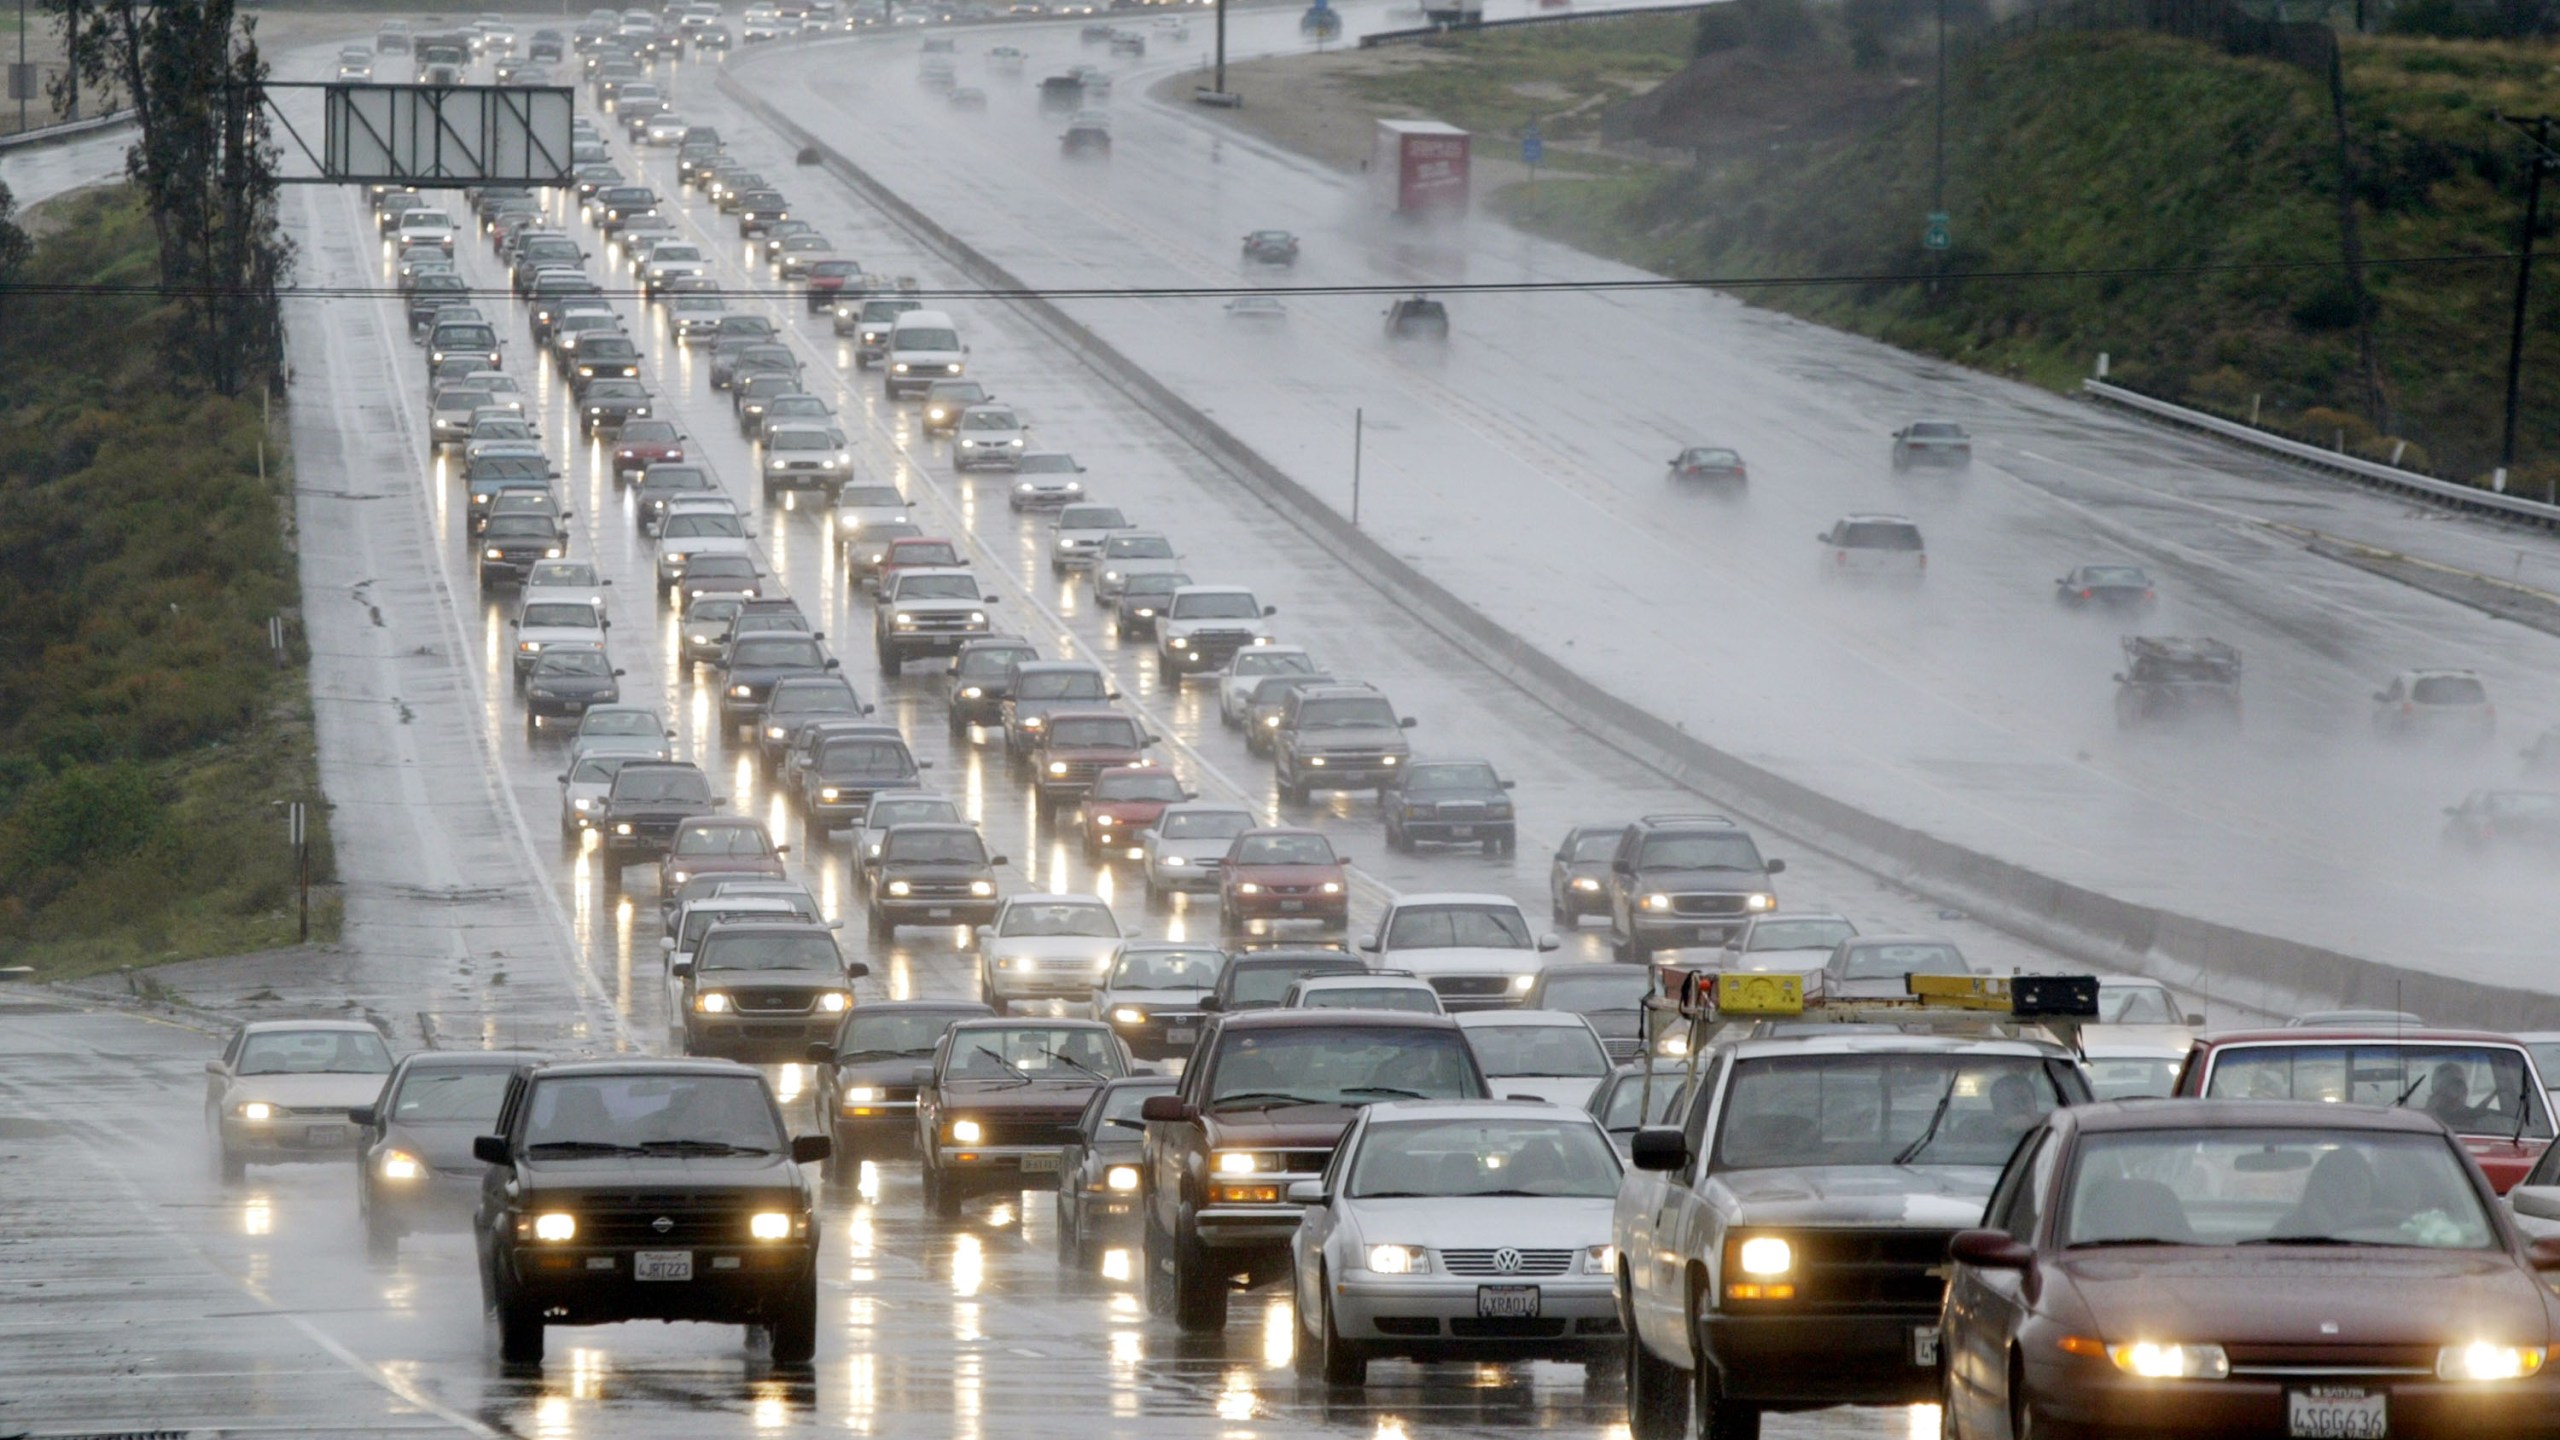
<point>2449,690</point>
<point>1875,535</point>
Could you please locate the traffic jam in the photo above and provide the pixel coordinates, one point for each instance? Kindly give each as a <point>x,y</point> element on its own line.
<point>1021,865</point>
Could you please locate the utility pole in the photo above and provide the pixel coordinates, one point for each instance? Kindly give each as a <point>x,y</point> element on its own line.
<point>26,77</point>
<point>1934,237</point>
<point>2537,131</point>
<point>1219,82</point>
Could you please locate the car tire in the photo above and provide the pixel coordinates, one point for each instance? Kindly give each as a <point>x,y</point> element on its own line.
<point>1293,792</point>
<point>1199,1296</point>
<point>941,1198</point>
<point>381,1238</point>
<point>1155,1251</point>
<point>228,1164</point>
<point>1496,847</point>
<point>882,928</point>
<point>843,1167</point>
<point>792,1335</point>
<point>1342,1363</point>
<point>1158,903</point>
<point>1657,1400</point>
<point>1711,1415</point>
<point>890,665</point>
<point>519,1329</point>
<point>1071,1237</point>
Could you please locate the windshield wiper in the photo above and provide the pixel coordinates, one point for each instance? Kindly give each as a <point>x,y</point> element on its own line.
<point>1266,1100</point>
<point>1017,1071</point>
<point>1384,1090</point>
<point>2123,1242</point>
<point>1071,1060</point>
<point>2319,1240</point>
<point>700,1147</point>
<point>1912,1151</point>
<point>850,1055</point>
<point>583,1147</point>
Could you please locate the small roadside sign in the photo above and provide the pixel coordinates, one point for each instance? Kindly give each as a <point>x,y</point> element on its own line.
<point>1936,237</point>
<point>1533,147</point>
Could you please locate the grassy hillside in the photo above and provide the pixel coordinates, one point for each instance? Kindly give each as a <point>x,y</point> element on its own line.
<point>145,730</point>
<point>2126,150</point>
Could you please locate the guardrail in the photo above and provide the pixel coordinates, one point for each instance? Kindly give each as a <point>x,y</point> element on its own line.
<point>1390,37</point>
<point>67,130</point>
<point>2354,467</point>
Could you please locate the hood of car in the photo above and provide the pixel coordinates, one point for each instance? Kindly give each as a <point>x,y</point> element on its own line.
<point>1489,1222</point>
<point>301,1090</point>
<point>1918,1197</point>
<point>1047,947</point>
<point>1356,737</point>
<point>555,1175</point>
<point>1291,1127</point>
<point>1464,960</point>
<point>2281,1296</point>
<point>1570,1091</point>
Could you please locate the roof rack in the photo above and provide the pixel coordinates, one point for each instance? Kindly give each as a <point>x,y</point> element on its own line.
<point>1701,819</point>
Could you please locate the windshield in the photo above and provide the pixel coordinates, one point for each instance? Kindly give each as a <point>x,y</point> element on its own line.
<point>1785,1112</point>
<point>1138,547</point>
<point>1452,780</point>
<point>315,1052</point>
<point>938,552</point>
<point>770,952</point>
<point>989,420</point>
<point>1259,1069</point>
<point>894,1034</point>
<point>1060,685</point>
<point>1261,986</point>
<point>1443,927</point>
<point>1091,517</point>
<point>574,617</point>
<point>1216,606</point>
<point>910,337</point>
<point>676,477</point>
<point>573,662</point>
<point>884,497</point>
<point>1937,430</point>
<point>1097,732</point>
<point>1024,1052</point>
<point>2473,1089</point>
<point>1892,962</point>
<point>2131,1077</point>
<point>597,771</point>
<point>519,527</point>
<point>937,587</point>
<point>1538,1051</point>
<point>1800,934</point>
<point>726,567</point>
<point>458,1095</point>
<point>1716,459</point>
<point>2122,1004</point>
<point>698,920</point>
<point>1700,852</point>
<point>993,659</point>
<point>2448,690</point>
<point>1050,917</point>
<point>885,813</point>
<point>608,1114</point>
<point>685,786</point>
<point>1615,988</point>
<point>1167,969</point>
<point>932,847</point>
<point>1284,850</point>
<point>1370,712</point>
<point>2113,575</point>
<point>2273,1187</point>
<point>1204,824</point>
<point>801,440</point>
<point>561,573</point>
<point>777,650</point>
<point>1879,537</point>
<point>866,757</point>
<point>702,840</point>
<point>1046,465</point>
<point>1144,785</point>
<point>811,700</point>
<point>1266,662</point>
<point>1461,1158</point>
<point>1590,845</point>
<point>1411,999</point>
<point>620,722</point>
<point>465,337</point>
<point>1626,1106</point>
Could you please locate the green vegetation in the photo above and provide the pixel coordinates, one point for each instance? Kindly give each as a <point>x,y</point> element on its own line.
<point>146,733</point>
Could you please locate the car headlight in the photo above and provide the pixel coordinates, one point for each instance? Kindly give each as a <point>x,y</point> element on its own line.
<point>769,1225</point>
<point>1600,1260</point>
<point>2155,1361</point>
<point>834,1002</point>
<point>493,554</point>
<point>1057,767</point>
<point>1657,902</point>
<point>1520,983</point>
<point>1399,1260</point>
<point>982,888</point>
<point>555,1226</point>
<point>1110,574</point>
<point>1270,722</point>
<point>1247,887</point>
<point>1015,442</point>
<point>1106,820</point>
<point>1181,642</point>
<point>1245,1162</point>
<point>972,692</point>
<point>967,1132</point>
<point>1032,722</point>
<point>1123,1178</point>
<point>829,792</point>
<point>899,887</point>
<point>622,829</point>
<point>774,732</point>
<point>2478,1361</point>
<point>953,367</point>
<point>1760,902</point>
<point>977,617</point>
<point>1586,884</point>
<point>711,1002</point>
<point>581,805</point>
<point>254,1110</point>
<point>903,618</point>
<point>742,692</point>
<point>864,1095</point>
<point>1129,1015</point>
<point>552,553</point>
<point>1330,887</point>
<point>1765,1255</point>
<point>1171,862</point>
<point>1386,760</point>
<point>899,368</point>
<point>401,1165</point>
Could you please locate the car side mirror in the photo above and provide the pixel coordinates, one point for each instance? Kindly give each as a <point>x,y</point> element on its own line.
<point>719,799</point>
<point>1775,867</point>
<point>810,1149</point>
<point>1658,1147</point>
<point>1150,740</point>
<point>856,970</point>
<point>832,664</point>
<point>1991,1250</point>
<point>515,624</point>
<point>666,942</point>
<point>819,1053</point>
<point>490,1149</point>
<point>2195,1017</point>
<point>1209,1004</point>
<point>1308,1192</point>
<point>2542,1202</point>
<point>1407,722</point>
<point>2381,695</point>
<point>363,1115</point>
<point>213,1067</point>
<point>1510,784</point>
<point>1110,694</point>
<point>606,581</point>
<point>1548,942</point>
<point>817,634</point>
<point>1270,610</point>
<point>2118,677</point>
<point>921,1077</point>
<point>998,860</point>
<point>563,776</point>
<point>991,599</point>
<point>1370,945</point>
<point>1167,1110</point>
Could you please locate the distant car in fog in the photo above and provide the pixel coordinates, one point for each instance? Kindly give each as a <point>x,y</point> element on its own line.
<point>2171,679</point>
<point>1709,462</point>
<point>2504,819</point>
<point>2106,587</point>
<point>2442,705</point>
<point>1271,247</point>
<point>1873,547</point>
<point>1086,135</point>
<point>1257,309</point>
<point>968,97</point>
<point>1941,443</point>
<point>1417,317</point>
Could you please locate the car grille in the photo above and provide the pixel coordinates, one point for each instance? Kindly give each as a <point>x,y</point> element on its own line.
<point>1221,639</point>
<point>942,622</point>
<point>1707,904</point>
<point>632,1219</point>
<point>1872,1269</point>
<point>311,1112</point>
<point>798,464</point>
<point>1458,812</point>
<point>1524,1262</point>
<point>2331,1359</point>
<point>937,890</point>
<point>1355,759</point>
<point>772,1002</point>
<point>1291,891</point>
<point>1459,987</point>
<point>1078,772</point>
<point>1059,1129</point>
<point>661,830</point>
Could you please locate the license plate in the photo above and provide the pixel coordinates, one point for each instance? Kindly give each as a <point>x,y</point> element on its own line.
<point>1462,832</point>
<point>1289,906</point>
<point>2337,1412</point>
<point>1181,1035</point>
<point>1507,1302</point>
<point>1924,1344</point>
<point>938,912</point>
<point>1040,1164</point>
<point>324,1135</point>
<point>662,1265</point>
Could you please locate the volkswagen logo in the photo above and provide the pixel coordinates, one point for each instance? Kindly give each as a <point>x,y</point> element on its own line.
<point>663,1224</point>
<point>1507,1260</point>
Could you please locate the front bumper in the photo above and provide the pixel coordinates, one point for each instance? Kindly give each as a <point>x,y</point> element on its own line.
<point>1249,1227</point>
<point>579,1285</point>
<point>937,911</point>
<point>288,1140</point>
<point>756,1037</point>
<point>976,1169</point>
<point>1671,932</point>
<point>1042,984</point>
<point>2089,1400</point>
<point>1334,909</point>
<point>1438,1315</point>
<point>1459,832</point>
<point>1334,775</point>
<point>1825,1359</point>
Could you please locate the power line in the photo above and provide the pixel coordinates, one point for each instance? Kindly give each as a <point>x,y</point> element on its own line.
<point>1211,292</point>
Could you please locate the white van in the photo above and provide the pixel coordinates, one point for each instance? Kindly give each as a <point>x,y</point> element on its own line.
<point>924,346</point>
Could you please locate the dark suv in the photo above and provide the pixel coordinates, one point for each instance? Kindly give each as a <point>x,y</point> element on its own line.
<point>1076,745</point>
<point>1259,979</point>
<point>648,801</point>
<point>1684,880</point>
<point>646,1190</point>
<point>764,990</point>
<point>1000,1100</point>
<point>866,1076</point>
<point>1338,737</point>
<point>981,677</point>
<point>1264,1100</point>
<point>932,874</point>
<point>1450,802</point>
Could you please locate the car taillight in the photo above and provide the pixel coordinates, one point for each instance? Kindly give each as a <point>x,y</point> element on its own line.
<point>2150,595</point>
<point>2084,594</point>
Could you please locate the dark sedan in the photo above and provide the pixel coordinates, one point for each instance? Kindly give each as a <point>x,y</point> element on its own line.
<point>2504,819</point>
<point>414,1169</point>
<point>2210,1268</point>
<point>1578,876</point>
<point>565,682</point>
<point>866,1077</point>
<point>2105,587</point>
<point>1098,1170</point>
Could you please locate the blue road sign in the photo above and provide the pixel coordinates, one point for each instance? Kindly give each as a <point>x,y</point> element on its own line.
<point>1533,147</point>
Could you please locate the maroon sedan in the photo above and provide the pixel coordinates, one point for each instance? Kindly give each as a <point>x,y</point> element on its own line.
<point>720,845</point>
<point>2239,1268</point>
<point>1124,800</point>
<point>1282,873</point>
<point>644,443</point>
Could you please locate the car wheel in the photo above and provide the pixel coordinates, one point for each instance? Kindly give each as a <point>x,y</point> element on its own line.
<point>232,1168</point>
<point>1493,847</point>
<point>519,1329</point>
<point>843,1167</point>
<point>381,1238</point>
<point>941,1197</point>
<point>1712,1416</point>
<point>1657,1402</point>
<point>1158,902</point>
<point>890,664</point>
<point>883,929</point>
<point>1199,1294</point>
<point>1155,1251</point>
<point>1343,1362</point>
<point>1293,792</point>
<point>1071,1240</point>
<point>792,1334</point>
